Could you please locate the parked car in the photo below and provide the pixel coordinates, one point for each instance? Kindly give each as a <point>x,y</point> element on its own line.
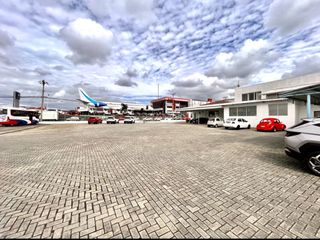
<point>187,119</point>
<point>302,142</point>
<point>129,120</point>
<point>94,120</point>
<point>215,122</point>
<point>199,120</point>
<point>270,124</point>
<point>112,120</point>
<point>237,123</point>
<point>147,119</point>
<point>73,119</point>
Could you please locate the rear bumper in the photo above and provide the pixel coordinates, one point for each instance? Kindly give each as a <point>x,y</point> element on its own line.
<point>264,128</point>
<point>293,153</point>
<point>229,125</point>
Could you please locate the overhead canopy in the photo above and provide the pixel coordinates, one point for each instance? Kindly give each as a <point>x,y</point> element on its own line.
<point>302,93</point>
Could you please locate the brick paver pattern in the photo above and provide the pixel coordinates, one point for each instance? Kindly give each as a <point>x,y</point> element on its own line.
<point>153,181</point>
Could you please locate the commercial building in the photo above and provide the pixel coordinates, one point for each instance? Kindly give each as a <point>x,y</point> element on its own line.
<point>171,105</point>
<point>115,108</point>
<point>289,100</point>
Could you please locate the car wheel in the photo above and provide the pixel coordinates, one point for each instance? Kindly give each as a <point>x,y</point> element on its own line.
<point>238,127</point>
<point>313,163</point>
<point>226,127</point>
<point>284,127</point>
<point>274,129</point>
<point>216,126</point>
<point>249,126</point>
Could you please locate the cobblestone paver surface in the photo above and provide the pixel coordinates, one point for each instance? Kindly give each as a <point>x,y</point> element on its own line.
<point>153,181</point>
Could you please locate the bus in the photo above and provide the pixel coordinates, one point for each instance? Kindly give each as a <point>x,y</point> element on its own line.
<point>10,116</point>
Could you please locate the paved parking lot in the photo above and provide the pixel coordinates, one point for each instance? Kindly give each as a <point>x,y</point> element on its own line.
<point>153,180</point>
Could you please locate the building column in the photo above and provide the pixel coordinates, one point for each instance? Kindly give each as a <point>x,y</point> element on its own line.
<point>309,106</point>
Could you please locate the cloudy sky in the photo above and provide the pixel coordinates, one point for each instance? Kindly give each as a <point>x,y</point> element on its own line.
<point>121,50</point>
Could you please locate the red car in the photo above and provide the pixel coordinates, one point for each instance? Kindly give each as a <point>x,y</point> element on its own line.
<point>270,124</point>
<point>94,120</point>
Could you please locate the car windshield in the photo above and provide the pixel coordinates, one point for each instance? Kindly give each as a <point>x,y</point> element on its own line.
<point>110,117</point>
<point>127,118</point>
<point>265,121</point>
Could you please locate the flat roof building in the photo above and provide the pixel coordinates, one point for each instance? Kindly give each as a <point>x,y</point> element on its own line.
<point>289,100</point>
<point>171,105</point>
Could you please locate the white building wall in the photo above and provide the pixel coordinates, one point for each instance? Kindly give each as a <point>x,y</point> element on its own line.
<point>279,84</point>
<point>301,108</point>
<point>263,112</point>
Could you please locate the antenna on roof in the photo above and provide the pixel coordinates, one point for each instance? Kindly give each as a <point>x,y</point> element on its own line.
<point>238,85</point>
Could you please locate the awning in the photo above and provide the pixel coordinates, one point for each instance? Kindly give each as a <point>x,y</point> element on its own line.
<point>302,93</point>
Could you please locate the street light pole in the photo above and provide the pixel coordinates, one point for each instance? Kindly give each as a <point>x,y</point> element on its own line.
<point>43,82</point>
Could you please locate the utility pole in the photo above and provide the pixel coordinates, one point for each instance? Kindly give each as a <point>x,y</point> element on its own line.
<point>43,82</point>
<point>158,91</point>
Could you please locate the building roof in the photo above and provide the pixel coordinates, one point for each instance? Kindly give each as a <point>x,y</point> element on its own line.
<point>218,102</point>
<point>302,91</point>
<point>170,99</point>
<point>281,90</point>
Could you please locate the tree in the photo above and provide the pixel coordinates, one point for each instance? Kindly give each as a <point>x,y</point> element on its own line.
<point>124,108</point>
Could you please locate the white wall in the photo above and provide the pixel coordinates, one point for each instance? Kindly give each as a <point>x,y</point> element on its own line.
<point>263,112</point>
<point>278,84</point>
<point>301,108</point>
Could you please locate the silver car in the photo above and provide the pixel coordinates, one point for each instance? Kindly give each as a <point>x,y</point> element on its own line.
<point>302,141</point>
<point>112,120</point>
<point>215,122</point>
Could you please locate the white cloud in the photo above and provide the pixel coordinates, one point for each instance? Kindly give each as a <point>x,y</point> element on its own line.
<point>5,39</point>
<point>199,86</point>
<point>252,57</point>
<point>60,93</point>
<point>288,16</point>
<point>89,41</point>
<point>140,10</point>
<point>304,66</point>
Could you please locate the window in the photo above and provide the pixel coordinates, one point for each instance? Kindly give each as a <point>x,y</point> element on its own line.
<point>252,111</point>
<point>273,110</point>
<point>258,95</point>
<point>278,109</point>
<point>244,97</point>
<point>3,111</point>
<point>233,111</point>
<point>283,109</point>
<point>251,96</point>
<point>243,111</point>
<point>20,113</point>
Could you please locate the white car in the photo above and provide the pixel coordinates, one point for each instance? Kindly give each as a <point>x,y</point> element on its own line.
<point>73,119</point>
<point>112,120</point>
<point>237,123</point>
<point>129,120</point>
<point>302,142</point>
<point>147,119</point>
<point>215,122</point>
